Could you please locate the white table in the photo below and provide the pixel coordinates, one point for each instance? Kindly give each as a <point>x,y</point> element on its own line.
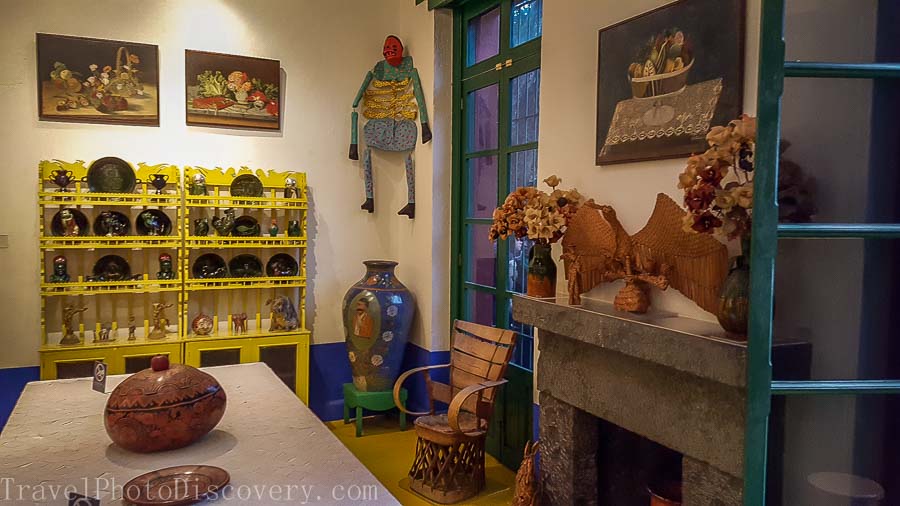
<point>275,449</point>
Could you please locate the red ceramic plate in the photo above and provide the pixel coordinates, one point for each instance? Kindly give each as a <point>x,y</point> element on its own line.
<point>175,486</point>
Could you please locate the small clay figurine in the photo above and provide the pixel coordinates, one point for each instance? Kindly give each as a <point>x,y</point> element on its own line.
<point>69,335</point>
<point>224,224</point>
<point>131,328</point>
<point>160,322</point>
<point>293,228</point>
<point>165,267</point>
<point>201,227</point>
<point>273,230</point>
<point>70,225</point>
<point>198,185</point>
<point>284,314</point>
<point>290,189</point>
<point>60,270</point>
<point>104,335</point>
<point>239,323</point>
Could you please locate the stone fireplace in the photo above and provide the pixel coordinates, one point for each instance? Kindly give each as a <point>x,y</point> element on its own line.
<point>675,381</point>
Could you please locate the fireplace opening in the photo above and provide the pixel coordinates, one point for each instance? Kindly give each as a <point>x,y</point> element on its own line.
<point>629,466</point>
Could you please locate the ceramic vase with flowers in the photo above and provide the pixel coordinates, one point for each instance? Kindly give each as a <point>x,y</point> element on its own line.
<point>718,195</point>
<point>542,217</point>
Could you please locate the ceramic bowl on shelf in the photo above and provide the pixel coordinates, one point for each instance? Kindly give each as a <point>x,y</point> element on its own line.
<point>209,266</point>
<point>111,224</point>
<point>69,222</point>
<point>153,222</point>
<point>111,175</point>
<point>245,266</point>
<point>111,268</point>
<point>282,264</point>
<point>245,226</point>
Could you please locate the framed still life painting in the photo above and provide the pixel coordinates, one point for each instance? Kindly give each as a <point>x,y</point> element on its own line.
<point>232,91</point>
<point>97,81</point>
<point>666,76</point>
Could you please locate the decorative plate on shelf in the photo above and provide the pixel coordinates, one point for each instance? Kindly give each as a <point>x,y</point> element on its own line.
<point>69,222</point>
<point>112,224</point>
<point>282,264</point>
<point>111,175</point>
<point>153,222</point>
<point>209,266</point>
<point>246,185</point>
<point>175,486</point>
<point>245,226</point>
<point>111,268</point>
<point>245,266</point>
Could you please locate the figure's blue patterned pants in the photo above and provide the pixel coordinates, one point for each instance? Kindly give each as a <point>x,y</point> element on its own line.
<point>390,135</point>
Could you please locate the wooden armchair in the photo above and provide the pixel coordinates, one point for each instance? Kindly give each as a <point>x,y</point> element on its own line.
<point>449,461</point>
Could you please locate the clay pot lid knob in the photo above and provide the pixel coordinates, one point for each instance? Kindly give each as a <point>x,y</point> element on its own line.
<point>159,363</point>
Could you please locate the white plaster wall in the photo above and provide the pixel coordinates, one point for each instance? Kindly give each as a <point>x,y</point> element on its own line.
<point>325,49</point>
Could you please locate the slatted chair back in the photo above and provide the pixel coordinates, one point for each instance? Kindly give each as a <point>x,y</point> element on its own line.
<point>478,353</point>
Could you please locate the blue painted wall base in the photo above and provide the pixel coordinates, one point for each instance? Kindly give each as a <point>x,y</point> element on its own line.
<point>12,381</point>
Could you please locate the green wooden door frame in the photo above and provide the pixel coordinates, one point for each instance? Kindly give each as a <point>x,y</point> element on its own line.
<point>773,69</point>
<point>494,70</point>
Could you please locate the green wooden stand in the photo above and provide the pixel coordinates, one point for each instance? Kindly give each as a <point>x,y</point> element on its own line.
<point>373,401</point>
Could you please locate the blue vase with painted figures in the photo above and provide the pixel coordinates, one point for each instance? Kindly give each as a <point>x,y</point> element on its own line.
<point>378,312</point>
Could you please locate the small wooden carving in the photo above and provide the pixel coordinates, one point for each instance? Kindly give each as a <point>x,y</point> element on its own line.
<point>239,322</point>
<point>597,249</point>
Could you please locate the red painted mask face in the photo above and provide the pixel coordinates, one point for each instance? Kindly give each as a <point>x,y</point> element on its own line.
<point>393,51</point>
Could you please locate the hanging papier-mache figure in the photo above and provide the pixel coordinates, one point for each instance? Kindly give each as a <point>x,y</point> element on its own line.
<point>390,106</point>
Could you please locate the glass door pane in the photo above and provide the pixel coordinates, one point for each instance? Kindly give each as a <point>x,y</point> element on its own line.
<point>482,119</point>
<point>526,21</point>
<point>524,93</point>
<point>480,307</point>
<point>483,34</point>
<point>481,256</point>
<point>482,180</point>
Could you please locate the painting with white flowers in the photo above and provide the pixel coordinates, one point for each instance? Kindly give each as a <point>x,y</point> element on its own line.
<point>97,80</point>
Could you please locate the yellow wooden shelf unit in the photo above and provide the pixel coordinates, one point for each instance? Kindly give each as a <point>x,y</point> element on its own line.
<point>284,201</point>
<point>109,312</point>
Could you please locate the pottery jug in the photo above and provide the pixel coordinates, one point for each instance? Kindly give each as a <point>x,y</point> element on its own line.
<point>734,300</point>
<point>541,272</point>
<point>378,312</point>
<point>159,182</point>
<point>61,178</point>
<point>163,407</point>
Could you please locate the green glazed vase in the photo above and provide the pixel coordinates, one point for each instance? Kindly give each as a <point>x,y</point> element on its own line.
<point>541,272</point>
<point>734,299</point>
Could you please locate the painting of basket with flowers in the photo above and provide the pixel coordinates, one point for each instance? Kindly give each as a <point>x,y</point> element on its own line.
<point>97,81</point>
<point>663,65</point>
<point>232,91</point>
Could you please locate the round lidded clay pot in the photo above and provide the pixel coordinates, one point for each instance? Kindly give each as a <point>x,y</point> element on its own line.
<point>164,407</point>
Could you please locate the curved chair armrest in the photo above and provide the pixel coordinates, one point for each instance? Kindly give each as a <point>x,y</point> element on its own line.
<point>399,384</point>
<point>460,398</point>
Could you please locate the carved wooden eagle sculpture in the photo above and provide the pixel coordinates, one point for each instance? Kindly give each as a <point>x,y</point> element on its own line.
<point>597,249</point>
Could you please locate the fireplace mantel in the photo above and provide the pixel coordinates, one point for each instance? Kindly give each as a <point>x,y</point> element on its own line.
<point>677,381</point>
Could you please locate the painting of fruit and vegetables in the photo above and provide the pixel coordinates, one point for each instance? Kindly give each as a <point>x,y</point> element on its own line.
<point>232,91</point>
<point>97,81</point>
<point>665,76</point>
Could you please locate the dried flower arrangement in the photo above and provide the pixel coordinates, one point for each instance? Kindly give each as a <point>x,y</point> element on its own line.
<point>718,184</point>
<point>535,214</point>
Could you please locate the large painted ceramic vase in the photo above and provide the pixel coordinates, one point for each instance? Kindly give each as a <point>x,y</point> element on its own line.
<point>378,311</point>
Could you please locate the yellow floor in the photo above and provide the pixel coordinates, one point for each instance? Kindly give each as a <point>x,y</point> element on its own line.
<point>388,452</point>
